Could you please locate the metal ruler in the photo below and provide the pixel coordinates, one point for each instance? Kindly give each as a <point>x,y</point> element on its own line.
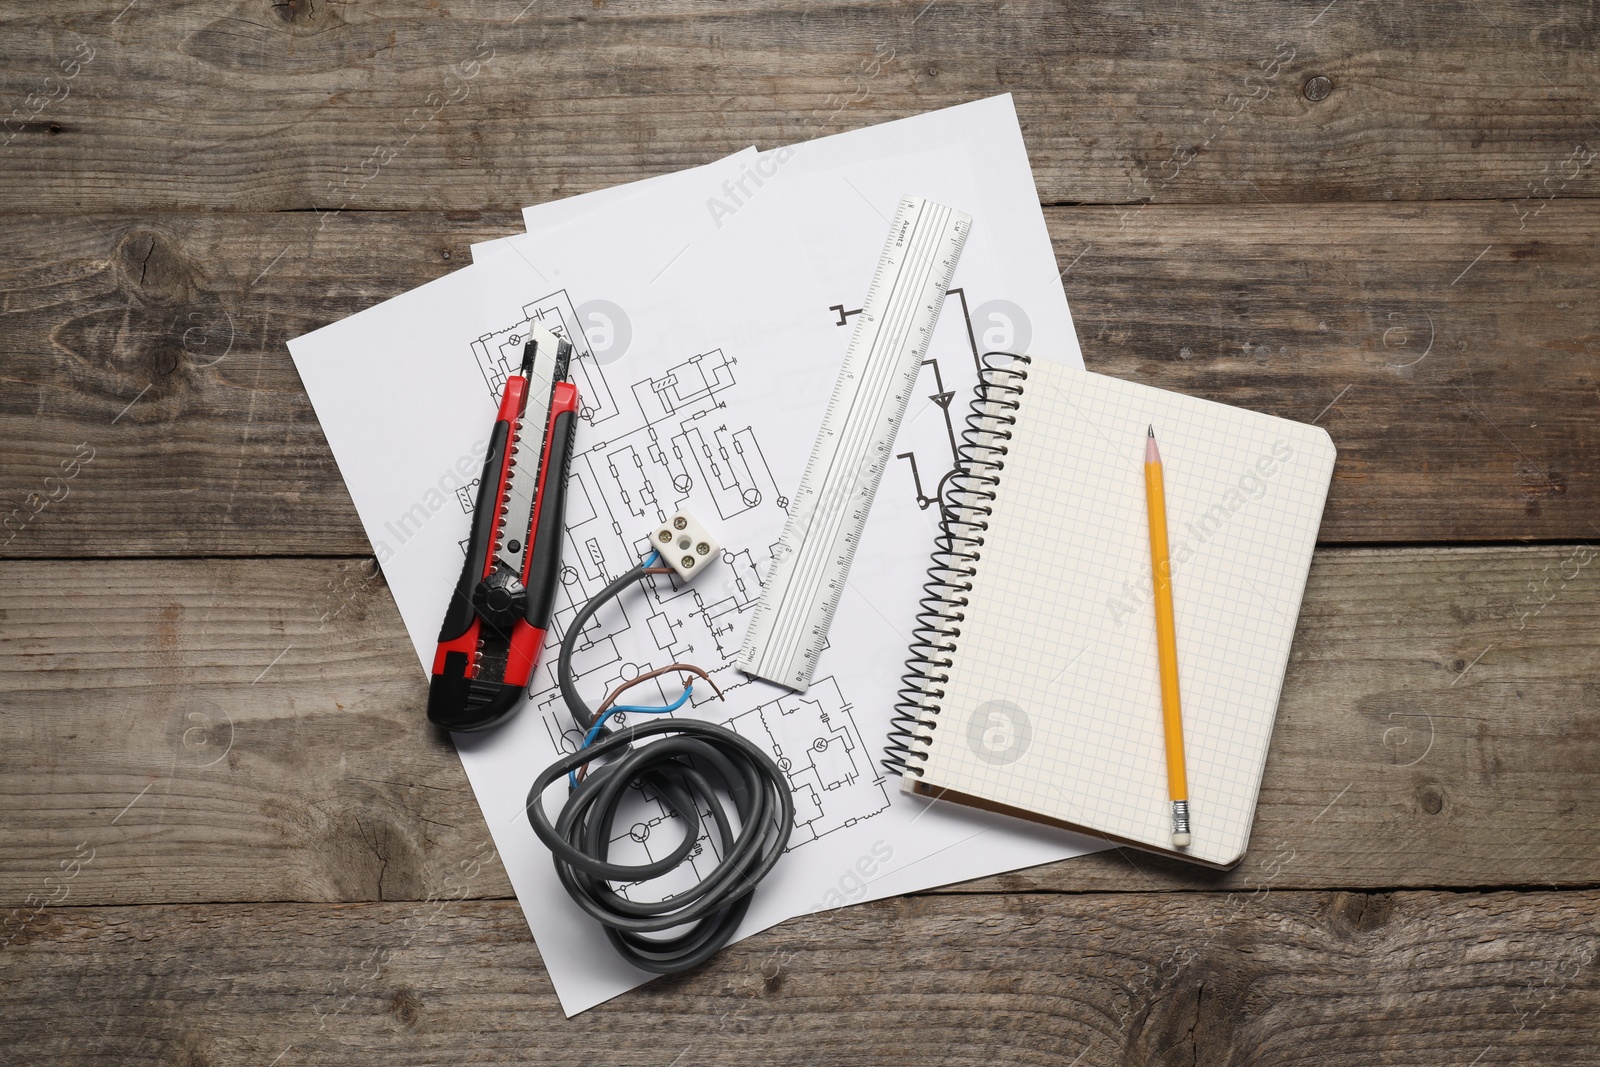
<point>789,627</point>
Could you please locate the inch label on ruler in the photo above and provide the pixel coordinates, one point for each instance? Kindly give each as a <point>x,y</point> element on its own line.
<point>789,627</point>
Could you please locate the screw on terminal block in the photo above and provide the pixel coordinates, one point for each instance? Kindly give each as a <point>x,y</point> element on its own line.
<point>692,542</point>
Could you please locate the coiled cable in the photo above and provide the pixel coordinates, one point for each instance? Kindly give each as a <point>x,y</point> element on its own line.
<point>684,765</point>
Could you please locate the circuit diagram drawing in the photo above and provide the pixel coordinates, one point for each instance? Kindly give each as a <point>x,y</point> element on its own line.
<point>930,471</point>
<point>645,449</point>
<point>500,352</point>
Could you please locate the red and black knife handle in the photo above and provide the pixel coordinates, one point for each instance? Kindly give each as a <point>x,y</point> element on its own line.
<point>460,615</point>
<point>542,565</point>
<point>542,568</point>
<point>456,699</point>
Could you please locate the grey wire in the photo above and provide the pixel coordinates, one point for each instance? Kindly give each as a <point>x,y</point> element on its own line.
<point>682,767</point>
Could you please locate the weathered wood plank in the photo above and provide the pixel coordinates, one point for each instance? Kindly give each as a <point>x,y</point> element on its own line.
<point>1450,354</point>
<point>1461,410</point>
<point>253,730</point>
<point>466,105</point>
<point>159,344</point>
<point>1281,978</point>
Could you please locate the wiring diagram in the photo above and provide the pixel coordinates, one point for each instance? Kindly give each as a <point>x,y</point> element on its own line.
<point>645,449</point>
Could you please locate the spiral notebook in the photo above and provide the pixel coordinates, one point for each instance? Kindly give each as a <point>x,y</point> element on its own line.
<point>1033,687</point>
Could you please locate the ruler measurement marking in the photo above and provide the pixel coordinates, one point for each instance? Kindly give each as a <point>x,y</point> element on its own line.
<point>872,394</point>
<point>857,397</point>
<point>811,577</point>
<point>788,627</point>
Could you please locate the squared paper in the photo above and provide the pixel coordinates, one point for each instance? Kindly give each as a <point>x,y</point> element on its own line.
<point>1061,622</point>
<point>738,327</point>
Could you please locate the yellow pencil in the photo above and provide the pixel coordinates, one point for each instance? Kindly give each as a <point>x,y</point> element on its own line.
<point>1166,642</point>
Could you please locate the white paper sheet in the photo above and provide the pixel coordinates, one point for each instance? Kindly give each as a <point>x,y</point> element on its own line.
<point>729,283</point>
<point>569,209</point>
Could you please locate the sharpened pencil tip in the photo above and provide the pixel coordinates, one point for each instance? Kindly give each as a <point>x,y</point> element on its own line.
<point>1152,429</point>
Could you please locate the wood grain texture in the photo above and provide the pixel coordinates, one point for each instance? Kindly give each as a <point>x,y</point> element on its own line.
<point>226,730</point>
<point>456,105</point>
<point>1406,259</point>
<point>159,343</point>
<point>1451,355</point>
<point>1284,978</point>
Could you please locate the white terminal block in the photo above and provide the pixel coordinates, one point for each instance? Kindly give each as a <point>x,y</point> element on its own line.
<point>685,545</point>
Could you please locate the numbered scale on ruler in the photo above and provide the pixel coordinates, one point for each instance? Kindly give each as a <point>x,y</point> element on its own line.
<point>789,627</point>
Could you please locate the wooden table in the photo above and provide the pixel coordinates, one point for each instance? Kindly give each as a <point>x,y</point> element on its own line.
<point>227,836</point>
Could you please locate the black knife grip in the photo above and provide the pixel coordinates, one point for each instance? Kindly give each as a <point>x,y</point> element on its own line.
<point>459,615</point>
<point>544,563</point>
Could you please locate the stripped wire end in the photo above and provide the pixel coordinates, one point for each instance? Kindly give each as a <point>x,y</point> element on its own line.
<point>610,706</point>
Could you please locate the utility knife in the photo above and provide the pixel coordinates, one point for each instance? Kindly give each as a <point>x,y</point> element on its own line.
<point>500,609</point>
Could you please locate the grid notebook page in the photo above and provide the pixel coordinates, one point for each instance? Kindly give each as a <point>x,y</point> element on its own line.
<point>1053,703</point>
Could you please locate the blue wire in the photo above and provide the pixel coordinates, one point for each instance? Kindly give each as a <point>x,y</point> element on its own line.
<point>572,776</point>
<point>683,698</point>
<point>613,709</point>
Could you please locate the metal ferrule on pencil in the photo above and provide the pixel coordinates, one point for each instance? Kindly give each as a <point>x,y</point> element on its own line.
<point>1180,816</point>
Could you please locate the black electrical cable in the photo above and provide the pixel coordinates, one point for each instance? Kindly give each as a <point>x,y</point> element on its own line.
<point>683,767</point>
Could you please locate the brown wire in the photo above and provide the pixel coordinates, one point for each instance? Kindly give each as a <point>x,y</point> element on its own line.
<point>647,676</point>
<point>625,686</point>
